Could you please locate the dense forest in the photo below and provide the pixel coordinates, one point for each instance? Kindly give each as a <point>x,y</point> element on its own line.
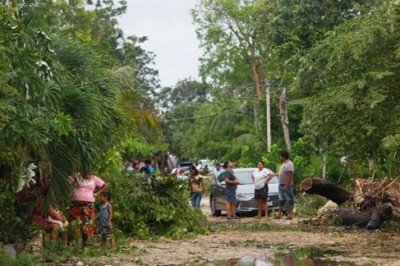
<point>317,78</point>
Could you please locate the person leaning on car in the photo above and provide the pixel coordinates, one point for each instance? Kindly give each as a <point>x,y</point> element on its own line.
<point>231,185</point>
<point>260,177</point>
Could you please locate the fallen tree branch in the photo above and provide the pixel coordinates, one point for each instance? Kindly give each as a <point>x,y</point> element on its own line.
<point>326,189</point>
<point>370,219</point>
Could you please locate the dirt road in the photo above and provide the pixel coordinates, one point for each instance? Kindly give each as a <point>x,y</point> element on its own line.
<point>262,238</point>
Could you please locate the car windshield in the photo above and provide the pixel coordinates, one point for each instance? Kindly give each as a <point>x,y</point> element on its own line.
<point>244,177</point>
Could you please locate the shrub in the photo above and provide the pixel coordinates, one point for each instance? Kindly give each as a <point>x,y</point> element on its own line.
<point>13,224</point>
<point>308,205</point>
<point>22,259</point>
<point>159,207</point>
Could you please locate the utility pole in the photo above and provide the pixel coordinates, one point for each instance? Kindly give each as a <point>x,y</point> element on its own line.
<point>268,113</point>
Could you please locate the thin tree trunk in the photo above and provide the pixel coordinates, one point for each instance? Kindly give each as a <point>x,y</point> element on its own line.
<point>257,92</point>
<point>263,80</point>
<point>284,118</point>
<point>268,115</point>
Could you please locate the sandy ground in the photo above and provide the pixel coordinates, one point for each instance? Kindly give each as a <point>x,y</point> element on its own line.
<point>250,237</point>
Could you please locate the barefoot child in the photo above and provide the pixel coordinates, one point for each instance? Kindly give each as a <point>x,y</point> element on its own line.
<point>106,214</point>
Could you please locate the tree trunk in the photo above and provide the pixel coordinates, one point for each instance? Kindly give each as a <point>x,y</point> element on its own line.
<point>264,81</point>
<point>268,116</point>
<point>326,189</point>
<point>370,219</point>
<point>5,172</point>
<point>256,79</point>
<point>257,91</point>
<point>284,118</point>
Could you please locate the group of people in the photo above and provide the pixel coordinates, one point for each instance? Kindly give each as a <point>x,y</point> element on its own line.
<point>86,188</point>
<point>136,166</point>
<point>261,177</point>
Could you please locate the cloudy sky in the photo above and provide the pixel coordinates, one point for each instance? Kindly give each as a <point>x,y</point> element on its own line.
<point>168,24</point>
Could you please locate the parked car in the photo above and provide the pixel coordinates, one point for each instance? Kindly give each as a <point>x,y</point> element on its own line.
<point>244,193</point>
<point>207,164</point>
<point>184,165</point>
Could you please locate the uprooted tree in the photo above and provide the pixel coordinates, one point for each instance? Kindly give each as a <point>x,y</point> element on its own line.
<point>372,202</point>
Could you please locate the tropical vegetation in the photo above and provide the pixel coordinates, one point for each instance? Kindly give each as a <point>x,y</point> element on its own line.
<point>318,78</point>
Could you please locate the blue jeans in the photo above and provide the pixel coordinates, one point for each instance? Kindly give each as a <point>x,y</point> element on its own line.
<point>195,198</point>
<point>287,195</point>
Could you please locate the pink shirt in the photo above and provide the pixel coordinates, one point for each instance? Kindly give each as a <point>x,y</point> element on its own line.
<point>85,187</point>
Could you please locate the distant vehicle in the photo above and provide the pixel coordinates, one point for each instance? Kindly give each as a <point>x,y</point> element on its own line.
<point>184,165</point>
<point>207,164</point>
<point>244,193</point>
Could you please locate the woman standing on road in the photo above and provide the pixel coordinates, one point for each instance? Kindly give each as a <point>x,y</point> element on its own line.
<point>231,185</point>
<point>260,178</point>
<point>196,186</point>
<point>83,201</point>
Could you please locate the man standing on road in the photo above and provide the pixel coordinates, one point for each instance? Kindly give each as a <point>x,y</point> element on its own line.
<point>231,185</point>
<point>286,185</point>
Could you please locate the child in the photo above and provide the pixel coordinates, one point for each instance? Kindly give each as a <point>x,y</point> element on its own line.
<point>105,220</point>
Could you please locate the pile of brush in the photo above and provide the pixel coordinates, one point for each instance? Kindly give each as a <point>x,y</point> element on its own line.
<point>371,203</point>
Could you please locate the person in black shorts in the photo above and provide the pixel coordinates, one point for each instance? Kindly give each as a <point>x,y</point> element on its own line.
<point>231,185</point>
<point>260,178</point>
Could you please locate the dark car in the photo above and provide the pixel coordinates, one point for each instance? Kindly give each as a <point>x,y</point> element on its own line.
<point>184,165</point>
<point>245,193</point>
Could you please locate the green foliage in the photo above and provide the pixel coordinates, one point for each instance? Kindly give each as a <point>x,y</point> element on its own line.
<point>71,89</point>
<point>352,78</point>
<point>57,253</point>
<point>7,214</point>
<point>308,205</point>
<point>160,207</point>
<point>22,259</point>
<point>134,148</point>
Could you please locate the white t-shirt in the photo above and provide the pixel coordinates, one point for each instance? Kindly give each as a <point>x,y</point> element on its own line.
<point>260,177</point>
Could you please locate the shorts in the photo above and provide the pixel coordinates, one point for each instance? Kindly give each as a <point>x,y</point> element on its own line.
<point>261,194</point>
<point>106,233</point>
<point>231,195</point>
<point>287,195</point>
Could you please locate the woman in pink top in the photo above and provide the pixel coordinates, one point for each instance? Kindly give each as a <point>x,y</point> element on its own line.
<point>83,201</point>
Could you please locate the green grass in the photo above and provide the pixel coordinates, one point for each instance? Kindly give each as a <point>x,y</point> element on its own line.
<point>307,205</point>
<point>56,252</point>
<point>22,259</point>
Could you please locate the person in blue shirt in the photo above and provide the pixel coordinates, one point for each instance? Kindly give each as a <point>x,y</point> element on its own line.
<point>148,168</point>
<point>218,170</point>
<point>106,215</point>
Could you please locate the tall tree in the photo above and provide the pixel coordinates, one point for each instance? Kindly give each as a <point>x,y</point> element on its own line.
<point>352,80</point>
<point>234,53</point>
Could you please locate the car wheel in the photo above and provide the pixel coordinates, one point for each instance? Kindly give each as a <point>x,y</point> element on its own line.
<point>214,211</point>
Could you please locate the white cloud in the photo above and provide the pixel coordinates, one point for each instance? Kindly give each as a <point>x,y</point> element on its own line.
<point>168,25</point>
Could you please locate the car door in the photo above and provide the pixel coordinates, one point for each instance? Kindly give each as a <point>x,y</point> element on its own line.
<point>220,194</point>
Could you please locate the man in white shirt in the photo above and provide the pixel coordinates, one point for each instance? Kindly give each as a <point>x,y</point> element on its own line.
<point>260,177</point>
